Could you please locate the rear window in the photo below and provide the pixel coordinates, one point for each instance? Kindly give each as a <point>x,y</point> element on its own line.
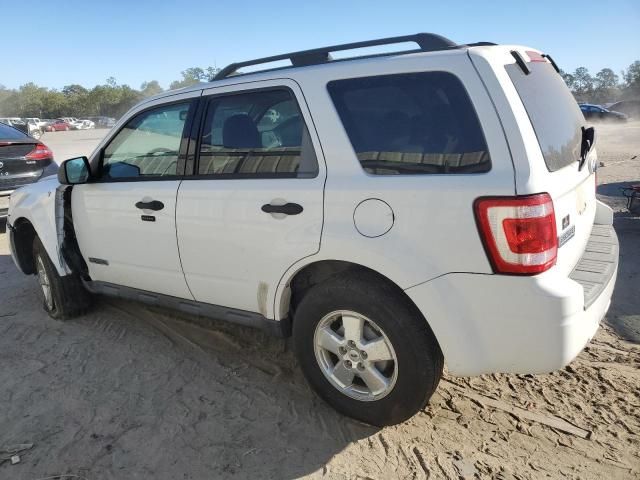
<point>10,133</point>
<point>417,123</point>
<point>554,113</point>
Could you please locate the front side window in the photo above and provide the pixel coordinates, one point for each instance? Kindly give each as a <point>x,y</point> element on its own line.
<point>148,145</point>
<point>256,134</point>
<point>415,123</point>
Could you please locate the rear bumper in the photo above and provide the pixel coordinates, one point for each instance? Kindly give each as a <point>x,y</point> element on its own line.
<point>497,323</point>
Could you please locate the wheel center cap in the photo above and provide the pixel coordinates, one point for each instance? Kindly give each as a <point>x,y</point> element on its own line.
<point>354,355</point>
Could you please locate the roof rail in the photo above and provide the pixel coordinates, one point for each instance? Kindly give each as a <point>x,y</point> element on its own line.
<point>427,42</point>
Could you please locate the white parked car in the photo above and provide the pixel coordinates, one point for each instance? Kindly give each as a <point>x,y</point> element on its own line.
<point>41,124</point>
<point>391,212</point>
<point>84,124</point>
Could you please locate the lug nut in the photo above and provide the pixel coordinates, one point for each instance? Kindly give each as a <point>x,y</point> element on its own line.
<point>347,363</point>
<point>360,366</point>
<point>363,354</point>
<point>342,350</point>
<point>351,343</point>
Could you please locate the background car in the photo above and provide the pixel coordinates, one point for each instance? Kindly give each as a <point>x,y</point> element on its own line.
<point>628,107</point>
<point>596,112</point>
<point>38,122</point>
<point>82,124</point>
<point>23,160</point>
<point>103,122</point>
<point>33,129</point>
<point>16,123</point>
<point>58,125</point>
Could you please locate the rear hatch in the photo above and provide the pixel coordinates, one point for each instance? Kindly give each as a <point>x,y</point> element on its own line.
<point>558,125</point>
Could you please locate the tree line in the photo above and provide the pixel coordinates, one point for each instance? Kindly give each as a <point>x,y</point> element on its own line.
<point>109,99</point>
<point>113,100</point>
<point>605,86</point>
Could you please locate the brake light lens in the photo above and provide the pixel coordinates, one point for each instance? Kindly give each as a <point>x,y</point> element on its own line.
<point>535,56</point>
<point>40,152</point>
<point>518,233</point>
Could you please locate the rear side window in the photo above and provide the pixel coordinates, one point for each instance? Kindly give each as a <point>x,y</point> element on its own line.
<point>259,134</point>
<point>555,116</point>
<point>416,123</point>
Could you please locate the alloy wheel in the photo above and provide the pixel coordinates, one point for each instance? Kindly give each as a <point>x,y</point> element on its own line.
<point>355,355</point>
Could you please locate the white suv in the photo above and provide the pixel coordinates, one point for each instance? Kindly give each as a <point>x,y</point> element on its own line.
<point>391,212</point>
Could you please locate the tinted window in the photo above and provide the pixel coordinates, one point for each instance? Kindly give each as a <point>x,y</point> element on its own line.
<point>257,134</point>
<point>418,123</point>
<point>9,133</point>
<point>148,145</point>
<point>554,113</point>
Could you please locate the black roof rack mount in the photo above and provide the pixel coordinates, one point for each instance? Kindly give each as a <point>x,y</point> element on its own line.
<point>427,42</point>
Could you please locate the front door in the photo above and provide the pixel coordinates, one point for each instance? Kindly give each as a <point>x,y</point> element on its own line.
<point>255,205</point>
<point>125,220</point>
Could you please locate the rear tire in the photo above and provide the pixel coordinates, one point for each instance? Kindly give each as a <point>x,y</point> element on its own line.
<point>63,297</point>
<point>383,392</point>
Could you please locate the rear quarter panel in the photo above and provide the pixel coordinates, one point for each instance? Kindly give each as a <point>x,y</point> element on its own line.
<point>434,229</point>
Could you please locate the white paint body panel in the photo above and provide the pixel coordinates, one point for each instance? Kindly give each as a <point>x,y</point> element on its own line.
<point>233,253</point>
<point>434,229</point>
<point>36,203</point>
<point>140,254</point>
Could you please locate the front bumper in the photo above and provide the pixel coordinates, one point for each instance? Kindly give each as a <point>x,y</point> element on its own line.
<point>510,324</point>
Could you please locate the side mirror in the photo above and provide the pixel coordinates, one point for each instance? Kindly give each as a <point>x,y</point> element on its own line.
<point>74,171</point>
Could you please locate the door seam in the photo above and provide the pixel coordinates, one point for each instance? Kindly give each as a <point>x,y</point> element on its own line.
<point>175,222</point>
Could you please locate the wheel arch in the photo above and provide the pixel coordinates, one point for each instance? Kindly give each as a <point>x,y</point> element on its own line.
<point>297,283</point>
<point>24,233</point>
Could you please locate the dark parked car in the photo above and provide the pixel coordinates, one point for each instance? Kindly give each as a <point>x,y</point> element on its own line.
<point>23,160</point>
<point>628,107</point>
<point>596,112</point>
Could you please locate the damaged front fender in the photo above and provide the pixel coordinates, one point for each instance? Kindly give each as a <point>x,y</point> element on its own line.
<point>44,206</point>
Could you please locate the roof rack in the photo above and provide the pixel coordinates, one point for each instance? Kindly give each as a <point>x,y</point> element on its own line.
<point>427,42</point>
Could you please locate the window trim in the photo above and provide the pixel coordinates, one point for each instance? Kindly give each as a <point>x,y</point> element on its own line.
<point>198,129</point>
<point>182,149</point>
<point>405,175</point>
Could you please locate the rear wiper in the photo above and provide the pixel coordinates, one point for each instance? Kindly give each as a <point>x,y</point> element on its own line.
<point>588,138</point>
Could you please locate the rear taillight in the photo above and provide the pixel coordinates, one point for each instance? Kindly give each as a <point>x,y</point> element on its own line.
<point>519,233</point>
<point>40,152</point>
<point>535,56</point>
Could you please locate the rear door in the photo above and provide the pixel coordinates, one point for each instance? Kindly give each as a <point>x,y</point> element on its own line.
<point>552,161</point>
<point>125,220</point>
<point>255,204</point>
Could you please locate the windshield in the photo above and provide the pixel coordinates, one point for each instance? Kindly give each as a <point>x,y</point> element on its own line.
<point>554,113</point>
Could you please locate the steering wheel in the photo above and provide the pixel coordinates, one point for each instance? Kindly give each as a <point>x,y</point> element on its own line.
<point>160,150</point>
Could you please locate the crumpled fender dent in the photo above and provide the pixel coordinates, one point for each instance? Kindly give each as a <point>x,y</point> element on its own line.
<point>41,204</point>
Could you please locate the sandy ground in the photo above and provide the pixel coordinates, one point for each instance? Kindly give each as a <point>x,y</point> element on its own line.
<point>129,392</point>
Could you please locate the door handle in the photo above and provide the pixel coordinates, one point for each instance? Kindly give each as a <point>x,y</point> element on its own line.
<point>152,205</point>
<point>287,208</point>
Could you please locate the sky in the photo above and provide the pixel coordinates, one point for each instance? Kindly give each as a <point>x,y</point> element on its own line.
<point>85,42</point>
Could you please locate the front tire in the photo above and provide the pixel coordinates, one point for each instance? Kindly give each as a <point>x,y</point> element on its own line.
<point>62,297</point>
<point>366,349</point>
